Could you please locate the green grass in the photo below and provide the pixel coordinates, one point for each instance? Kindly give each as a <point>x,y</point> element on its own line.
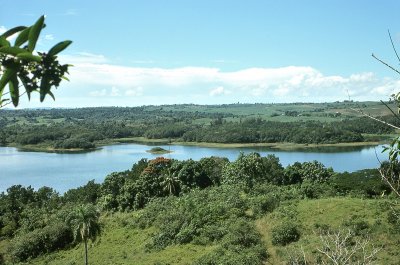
<point>121,243</point>
<point>333,212</point>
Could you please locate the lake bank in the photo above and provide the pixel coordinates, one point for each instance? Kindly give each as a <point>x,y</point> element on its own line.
<point>373,140</point>
<point>278,146</point>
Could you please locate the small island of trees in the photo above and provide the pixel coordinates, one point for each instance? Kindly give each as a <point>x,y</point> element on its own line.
<point>158,150</point>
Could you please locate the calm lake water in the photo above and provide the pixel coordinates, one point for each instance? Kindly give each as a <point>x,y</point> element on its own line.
<point>63,171</point>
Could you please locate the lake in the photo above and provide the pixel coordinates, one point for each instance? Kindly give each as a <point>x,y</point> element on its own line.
<point>63,171</point>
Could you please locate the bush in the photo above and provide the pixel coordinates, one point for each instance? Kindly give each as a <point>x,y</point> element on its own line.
<point>192,218</point>
<point>241,245</point>
<point>362,183</point>
<point>312,190</point>
<point>40,241</point>
<point>285,233</point>
<point>264,204</point>
<point>357,224</point>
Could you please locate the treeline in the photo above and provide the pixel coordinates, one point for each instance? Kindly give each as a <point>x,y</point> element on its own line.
<point>200,202</point>
<point>83,128</point>
<point>259,131</point>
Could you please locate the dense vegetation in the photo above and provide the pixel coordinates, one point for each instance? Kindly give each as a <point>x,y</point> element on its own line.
<point>246,123</point>
<point>162,206</point>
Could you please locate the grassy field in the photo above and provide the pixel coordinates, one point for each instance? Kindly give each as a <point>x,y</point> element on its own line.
<point>332,213</point>
<point>326,112</point>
<point>121,243</point>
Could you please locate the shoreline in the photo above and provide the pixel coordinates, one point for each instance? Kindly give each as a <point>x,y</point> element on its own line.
<point>154,142</point>
<point>277,146</point>
<point>47,149</point>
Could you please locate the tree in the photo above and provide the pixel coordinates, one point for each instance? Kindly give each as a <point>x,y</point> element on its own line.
<point>251,169</point>
<point>20,63</point>
<point>84,222</point>
<point>170,182</point>
<point>313,171</point>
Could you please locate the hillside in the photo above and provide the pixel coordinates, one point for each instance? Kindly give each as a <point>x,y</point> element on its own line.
<point>248,211</point>
<point>240,124</point>
<point>123,243</point>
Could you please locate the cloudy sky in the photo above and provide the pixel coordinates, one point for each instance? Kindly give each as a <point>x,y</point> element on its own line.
<point>130,53</point>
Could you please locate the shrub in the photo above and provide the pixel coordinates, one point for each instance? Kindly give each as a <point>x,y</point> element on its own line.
<point>365,182</point>
<point>241,245</point>
<point>40,241</point>
<point>357,224</point>
<point>192,218</point>
<point>285,233</point>
<point>264,204</point>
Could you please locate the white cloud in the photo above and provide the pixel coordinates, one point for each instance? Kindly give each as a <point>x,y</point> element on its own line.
<point>284,84</point>
<point>48,37</point>
<point>2,29</point>
<point>134,92</point>
<point>218,91</point>
<point>98,93</point>
<point>143,61</point>
<point>114,92</point>
<point>82,58</point>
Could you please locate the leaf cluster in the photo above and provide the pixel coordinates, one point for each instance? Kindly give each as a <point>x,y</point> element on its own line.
<point>21,64</point>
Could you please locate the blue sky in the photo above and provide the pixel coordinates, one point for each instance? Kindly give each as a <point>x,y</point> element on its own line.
<point>129,53</point>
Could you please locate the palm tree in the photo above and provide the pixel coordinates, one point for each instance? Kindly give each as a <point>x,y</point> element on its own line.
<point>171,182</point>
<point>84,222</point>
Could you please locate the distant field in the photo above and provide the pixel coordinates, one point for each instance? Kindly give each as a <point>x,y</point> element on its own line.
<point>279,112</point>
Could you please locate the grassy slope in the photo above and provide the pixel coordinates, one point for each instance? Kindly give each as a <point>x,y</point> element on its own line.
<point>334,212</point>
<point>122,244</point>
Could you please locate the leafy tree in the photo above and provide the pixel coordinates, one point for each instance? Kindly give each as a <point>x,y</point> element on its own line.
<point>251,169</point>
<point>212,167</point>
<point>85,194</point>
<point>84,222</point>
<point>20,63</point>
<point>308,171</point>
<point>245,169</point>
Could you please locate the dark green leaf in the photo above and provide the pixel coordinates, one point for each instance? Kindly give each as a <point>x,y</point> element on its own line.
<point>22,37</point>
<point>59,47</point>
<point>44,87</point>
<point>9,73</point>
<point>12,50</point>
<point>34,33</point>
<point>4,42</point>
<point>29,57</point>
<point>24,79</point>
<point>3,100</point>
<point>51,95</point>
<point>14,90</point>
<point>12,31</point>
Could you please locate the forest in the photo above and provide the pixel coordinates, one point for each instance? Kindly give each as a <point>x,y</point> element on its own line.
<point>159,211</point>
<point>88,128</point>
